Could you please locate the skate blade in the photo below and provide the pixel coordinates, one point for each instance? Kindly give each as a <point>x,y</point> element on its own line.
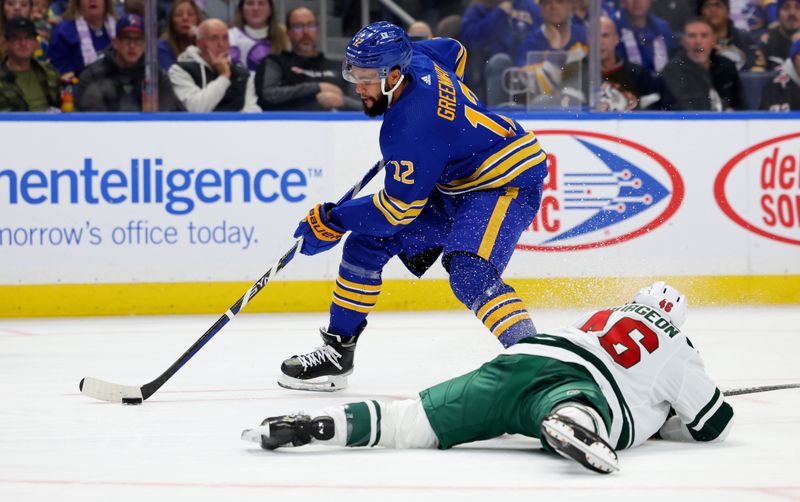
<point>321,384</point>
<point>254,435</point>
<point>597,457</point>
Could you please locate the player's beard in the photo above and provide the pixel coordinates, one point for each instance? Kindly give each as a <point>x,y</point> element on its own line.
<point>379,106</point>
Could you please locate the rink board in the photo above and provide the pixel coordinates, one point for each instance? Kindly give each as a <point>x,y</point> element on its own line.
<point>181,213</point>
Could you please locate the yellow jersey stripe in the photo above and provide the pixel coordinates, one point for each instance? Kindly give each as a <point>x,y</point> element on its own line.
<point>404,206</point>
<point>508,176</point>
<point>510,308</point>
<point>495,222</point>
<point>502,327</point>
<point>493,303</point>
<point>526,141</point>
<point>365,288</point>
<point>461,61</point>
<point>351,306</point>
<point>498,182</point>
<point>505,166</point>
<point>396,211</point>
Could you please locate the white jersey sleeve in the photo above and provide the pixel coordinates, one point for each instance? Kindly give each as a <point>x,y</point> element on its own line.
<point>701,411</point>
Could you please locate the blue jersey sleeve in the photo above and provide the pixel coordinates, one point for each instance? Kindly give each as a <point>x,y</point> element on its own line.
<point>414,164</point>
<point>449,53</point>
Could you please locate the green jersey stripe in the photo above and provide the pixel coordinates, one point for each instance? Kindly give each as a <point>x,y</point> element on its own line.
<point>715,425</point>
<point>377,422</point>
<point>705,410</point>
<point>627,434</point>
<point>358,418</point>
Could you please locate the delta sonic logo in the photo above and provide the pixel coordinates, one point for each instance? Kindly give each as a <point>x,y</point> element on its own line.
<point>759,189</point>
<point>600,190</point>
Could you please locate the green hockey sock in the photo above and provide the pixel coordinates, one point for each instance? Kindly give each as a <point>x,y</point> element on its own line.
<point>363,423</point>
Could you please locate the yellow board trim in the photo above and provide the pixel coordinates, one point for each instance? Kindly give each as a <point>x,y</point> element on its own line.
<point>60,300</point>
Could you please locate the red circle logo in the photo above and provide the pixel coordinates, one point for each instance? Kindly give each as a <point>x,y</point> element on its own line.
<point>600,190</point>
<point>774,171</point>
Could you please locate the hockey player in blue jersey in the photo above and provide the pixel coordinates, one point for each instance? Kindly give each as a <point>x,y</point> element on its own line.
<point>461,182</point>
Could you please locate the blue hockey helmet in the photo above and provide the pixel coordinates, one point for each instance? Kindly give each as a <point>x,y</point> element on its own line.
<point>380,46</point>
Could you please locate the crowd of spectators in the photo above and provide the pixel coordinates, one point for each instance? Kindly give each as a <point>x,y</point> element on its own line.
<point>239,55</point>
<point>701,55</point>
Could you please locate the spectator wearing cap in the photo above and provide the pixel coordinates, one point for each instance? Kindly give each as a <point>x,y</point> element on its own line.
<point>9,9</point>
<point>782,94</point>
<point>700,79</point>
<point>303,79</point>
<point>773,48</point>
<point>205,80</point>
<point>26,84</point>
<point>87,29</point>
<point>732,42</point>
<point>115,83</point>
<point>644,38</point>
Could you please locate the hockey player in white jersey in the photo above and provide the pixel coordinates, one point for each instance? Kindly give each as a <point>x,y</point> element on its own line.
<point>610,381</point>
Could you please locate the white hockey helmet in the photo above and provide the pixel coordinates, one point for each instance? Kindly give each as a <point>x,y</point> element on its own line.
<point>668,300</point>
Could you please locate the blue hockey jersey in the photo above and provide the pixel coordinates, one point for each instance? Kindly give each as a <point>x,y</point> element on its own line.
<point>437,135</point>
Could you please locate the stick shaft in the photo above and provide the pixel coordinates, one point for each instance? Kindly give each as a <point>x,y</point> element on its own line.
<point>764,388</point>
<point>150,388</point>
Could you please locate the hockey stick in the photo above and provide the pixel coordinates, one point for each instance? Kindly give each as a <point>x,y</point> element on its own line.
<point>131,394</point>
<point>765,388</point>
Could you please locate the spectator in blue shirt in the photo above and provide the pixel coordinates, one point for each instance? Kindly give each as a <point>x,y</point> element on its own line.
<point>557,32</point>
<point>87,29</point>
<point>644,38</point>
<point>491,30</point>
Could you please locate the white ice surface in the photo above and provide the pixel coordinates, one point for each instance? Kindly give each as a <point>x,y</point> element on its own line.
<point>183,443</point>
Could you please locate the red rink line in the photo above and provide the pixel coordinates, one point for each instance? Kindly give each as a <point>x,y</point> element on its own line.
<point>776,491</point>
<point>16,332</point>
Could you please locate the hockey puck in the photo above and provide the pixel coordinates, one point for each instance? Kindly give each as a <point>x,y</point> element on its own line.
<point>131,400</point>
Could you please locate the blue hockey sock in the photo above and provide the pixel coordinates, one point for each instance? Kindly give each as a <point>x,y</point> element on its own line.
<point>354,297</point>
<point>476,283</point>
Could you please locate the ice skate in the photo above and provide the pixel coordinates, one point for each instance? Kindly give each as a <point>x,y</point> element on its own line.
<point>325,368</point>
<point>574,441</point>
<point>290,430</point>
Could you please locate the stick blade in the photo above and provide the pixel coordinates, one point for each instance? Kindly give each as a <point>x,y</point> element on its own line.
<point>107,391</point>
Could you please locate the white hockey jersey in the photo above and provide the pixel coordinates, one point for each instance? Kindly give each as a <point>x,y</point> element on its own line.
<point>644,366</point>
